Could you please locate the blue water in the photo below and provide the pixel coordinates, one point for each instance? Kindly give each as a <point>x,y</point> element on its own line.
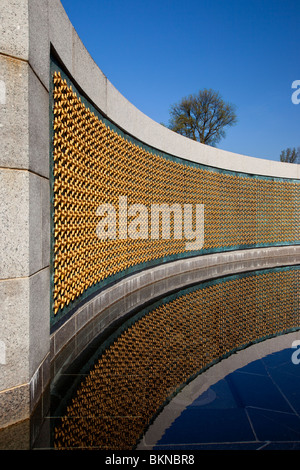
<point>254,407</point>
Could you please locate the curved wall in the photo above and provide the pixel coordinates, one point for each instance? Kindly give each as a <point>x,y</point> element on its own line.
<point>171,342</point>
<point>51,259</point>
<point>96,165</point>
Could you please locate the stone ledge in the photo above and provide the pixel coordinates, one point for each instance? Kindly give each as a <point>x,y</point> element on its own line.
<point>118,300</point>
<point>18,403</point>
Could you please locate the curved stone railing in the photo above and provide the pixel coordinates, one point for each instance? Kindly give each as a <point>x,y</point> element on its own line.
<point>102,149</point>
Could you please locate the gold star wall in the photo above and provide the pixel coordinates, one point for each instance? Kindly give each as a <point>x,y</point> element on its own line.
<point>94,164</point>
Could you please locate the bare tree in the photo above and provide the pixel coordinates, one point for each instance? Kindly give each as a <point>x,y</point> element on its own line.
<point>202,117</point>
<point>290,155</point>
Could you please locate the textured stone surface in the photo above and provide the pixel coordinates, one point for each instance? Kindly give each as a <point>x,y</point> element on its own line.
<point>39,223</point>
<point>24,330</point>
<point>24,118</point>
<point>24,327</point>
<point>38,318</point>
<point>38,126</point>
<point>61,33</point>
<point>88,74</point>
<point>16,437</point>
<point>14,216</point>
<point>39,39</point>
<point>14,31</point>
<point>14,135</point>
<point>14,405</point>
<point>24,214</point>
<point>14,332</point>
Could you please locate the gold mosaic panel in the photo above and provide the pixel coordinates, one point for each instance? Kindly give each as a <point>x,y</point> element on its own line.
<point>150,360</point>
<point>94,164</point>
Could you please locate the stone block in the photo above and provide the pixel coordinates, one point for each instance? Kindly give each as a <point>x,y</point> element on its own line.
<point>14,216</point>
<point>24,214</point>
<point>14,135</point>
<point>88,75</point>
<point>64,334</point>
<point>24,118</point>
<point>14,28</point>
<point>61,33</point>
<point>14,405</point>
<point>38,317</point>
<point>38,126</point>
<point>39,223</point>
<point>14,332</point>
<point>39,39</point>
<point>24,327</point>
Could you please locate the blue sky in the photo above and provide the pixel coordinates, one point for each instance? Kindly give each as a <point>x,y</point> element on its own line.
<point>157,51</point>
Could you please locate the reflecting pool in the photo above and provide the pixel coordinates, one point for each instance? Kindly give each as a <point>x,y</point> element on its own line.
<point>250,400</point>
<point>254,407</point>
